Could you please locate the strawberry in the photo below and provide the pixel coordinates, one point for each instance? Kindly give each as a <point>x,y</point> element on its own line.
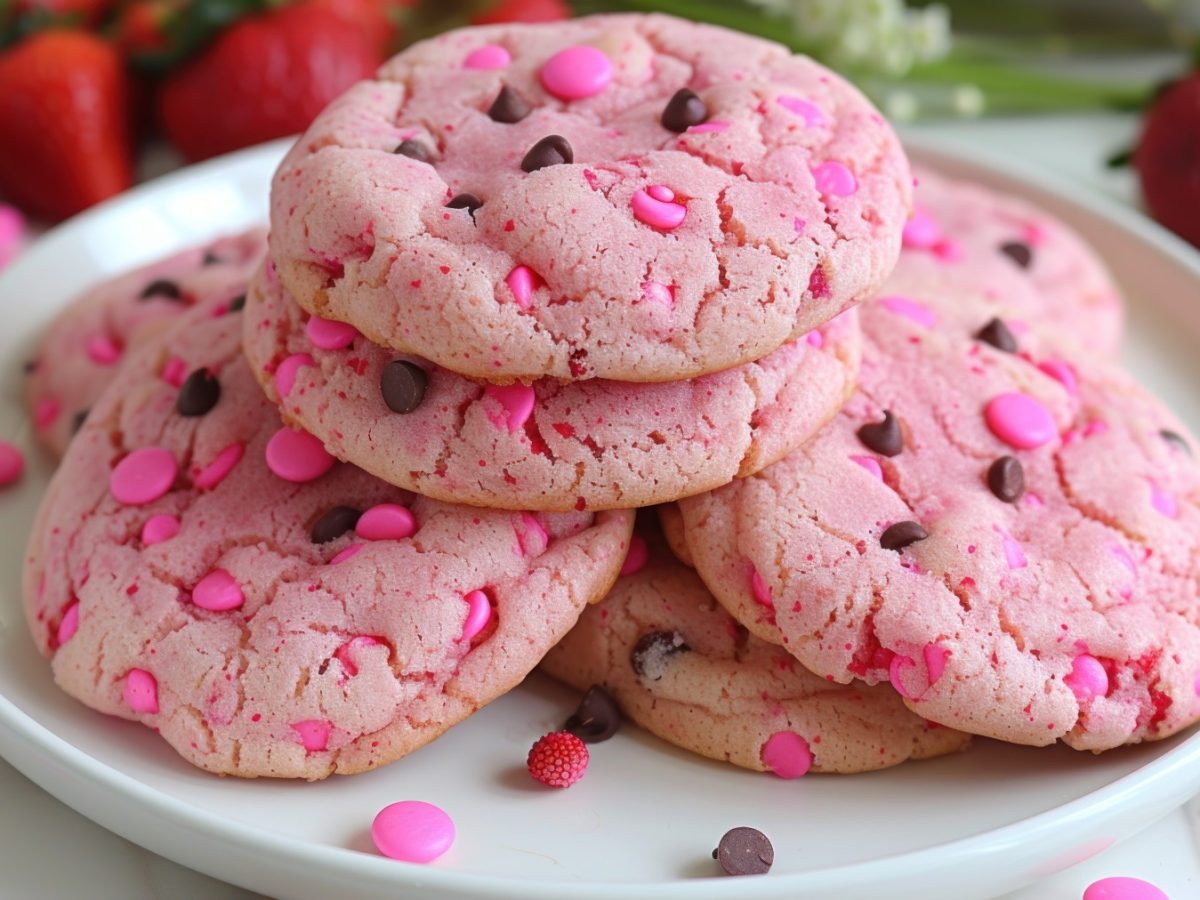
<point>142,26</point>
<point>264,77</point>
<point>378,18</point>
<point>64,139</point>
<point>1168,158</point>
<point>523,11</point>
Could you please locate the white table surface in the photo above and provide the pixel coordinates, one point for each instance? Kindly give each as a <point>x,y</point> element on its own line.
<point>49,851</point>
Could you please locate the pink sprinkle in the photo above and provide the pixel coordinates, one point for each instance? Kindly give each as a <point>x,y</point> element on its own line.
<point>479,611</point>
<point>638,556</point>
<point>386,522</point>
<point>158,529</point>
<point>910,309</point>
<point>285,375</point>
<point>46,412</point>
<point>174,371</point>
<point>516,405</point>
<point>786,754</point>
<point>1087,678</point>
<point>346,653</point>
<point>103,350</point>
<point>531,535</point>
<point>576,73</point>
<point>218,591</point>
<point>297,456</point>
<point>1013,553</point>
<point>520,282</point>
<point>658,292</point>
<point>143,476</point>
<point>895,669</point>
<point>761,590</point>
<point>329,334</point>
<point>834,179</point>
<point>343,555</point>
<point>1019,420</point>
<point>490,56</point>
<point>12,463</point>
<point>314,734</point>
<point>412,831</point>
<point>921,231</point>
<point>871,464</point>
<point>712,126</point>
<point>1061,372</point>
<point>1163,501</point>
<point>815,339</point>
<point>935,661</point>
<point>214,473</point>
<point>1123,888</point>
<point>141,691</point>
<point>69,624</point>
<point>809,112</point>
<point>656,212</point>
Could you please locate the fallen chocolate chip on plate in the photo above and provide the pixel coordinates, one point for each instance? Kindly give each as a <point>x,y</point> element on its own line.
<point>744,851</point>
<point>597,719</point>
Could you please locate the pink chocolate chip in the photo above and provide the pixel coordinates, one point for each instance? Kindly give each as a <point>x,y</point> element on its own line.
<point>786,754</point>
<point>1087,678</point>
<point>871,464</point>
<point>532,538</point>
<point>651,209</point>
<point>386,522</point>
<point>1164,501</point>
<point>809,112</point>
<point>343,555</point>
<point>158,529</point>
<point>910,309</point>
<point>218,591</point>
<point>935,661</point>
<point>657,292</point>
<point>490,56</point>
<point>761,590</point>
<point>69,624</point>
<point>214,473</point>
<point>141,691</point>
<point>896,669</point>
<point>314,734</point>
<point>479,611</point>
<point>143,476</point>
<point>520,282</point>
<point>103,350</point>
<point>12,463</point>
<point>834,179</point>
<point>1019,420</point>
<point>1123,888</point>
<point>347,653</point>
<point>1062,373</point>
<point>516,405</point>
<point>297,456</point>
<point>921,231</point>
<point>329,334</point>
<point>412,831</point>
<point>637,557</point>
<point>285,374</point>
<point>576,73</point>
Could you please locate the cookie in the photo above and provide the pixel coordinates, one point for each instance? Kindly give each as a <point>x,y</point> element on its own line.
<point>684,670</point>
<point>635,198</point>
<point>999,256</point>
<point>202,569</point>
<point>1012,542</point>
<point>552,445</point>
<point>82,350</point>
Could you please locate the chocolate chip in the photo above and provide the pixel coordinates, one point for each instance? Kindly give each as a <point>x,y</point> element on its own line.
<point>78,420</point>
<point>1174,437</point>
<point>161,287</point>
<point>883,437</point>
<point>469,202</point>
<point>509,107</point>
<point>403,385</point>
<point>1019,252</point>
<point>744,851</point>
<point>29,366</point>
<point>199,394</point>
<point>684,110</point>
<point>552,150</point>
<point>653,651</point>
<point>997,334</point>
<point>414,150</point>
<point>1006,478</point>
<point>900,535</point>
<point>334,523</point>
<point>238,303</point>
<point>210,258</point>
<point>597,718</point>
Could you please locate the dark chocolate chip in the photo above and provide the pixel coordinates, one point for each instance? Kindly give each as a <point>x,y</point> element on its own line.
<point>1006,478</point>
<point>210,258</point>
<point>334,523</point>
<point>29,366</point>
<point>653,651</point>
<point>744,851</point>
<point>403,385</point>
<point>997,334</point>
<point>552,150</point>
<point>161,287</point>
<point>684,110</point>
<point>469,202</point>
<point>414,150</point>
<point>597,718</point>
<point>78,420</point>
<point>1174,437</point>
<point>199,393</point>
<point>1019,252</point>
<point>238,303</point>
<point>509,107</point>
<point>900,535</point>
<point>883,437</point>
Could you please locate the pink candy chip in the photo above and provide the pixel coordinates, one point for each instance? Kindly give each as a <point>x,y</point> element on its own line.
<point>1122,888</point>
<point>815,339</point>
<point>657,292</point>
<point>297,456</point>
<point>214,473</point>
<point>479,611</point>
<point>577,72</point>
<point>347,653</point>
<point>143,476</point>
<point>103,350</point>
<point>1087,678</point>
<point>520,282</point>
<point>761,590</point>
<point>386,522</point>
<point>158,529</point>
<point>921,231</point>
<point>655,206</point>
<point>141,691</point>
<point>285,374</point>
<point>46,413</point>
<point>896,669</point>
<point>1013,554</point>
<point>786,754</point>
<point>1062,373</point>
<point>910,309</point>
<point>218,591</point>
<point>412,831</point>
<point>12,463</point>
<point>313,733</point>
<point>1019,420</point>
<point>69,624</point>
<point>809,112</point>
<point>834,179</point>
<point>516,405</point>
<point>871,464</point>
<point>532,538</point>
<point>935,661</point>
<point>329,334</point>
<point>343,555</point>
<point>490,56</point>
<point>637,557</point>
<point>174,371</point>
<point>1164,501</point>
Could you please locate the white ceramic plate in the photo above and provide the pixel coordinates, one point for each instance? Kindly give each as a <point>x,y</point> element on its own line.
<point>644,820</point>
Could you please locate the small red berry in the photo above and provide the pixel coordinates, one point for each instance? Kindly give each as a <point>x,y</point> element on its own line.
<point>558,759</point>
<point>1168,158</point>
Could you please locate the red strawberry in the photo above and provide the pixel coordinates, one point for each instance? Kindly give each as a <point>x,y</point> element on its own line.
<point>64,113</point>
<point>524,11</point>
<point>264,77</point>
<point>141,26</point>
<point>1168,158</point>
<point>378,18</point>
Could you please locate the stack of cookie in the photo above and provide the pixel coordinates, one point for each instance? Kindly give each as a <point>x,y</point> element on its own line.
<point>530,279</point>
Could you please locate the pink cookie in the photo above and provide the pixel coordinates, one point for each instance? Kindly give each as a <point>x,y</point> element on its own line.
<point>552,445</point>
<point>570,213</point>
<point>1017,558</point>
<point>250,626</point>
<point>683,669</point>
<point>84,346</point>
